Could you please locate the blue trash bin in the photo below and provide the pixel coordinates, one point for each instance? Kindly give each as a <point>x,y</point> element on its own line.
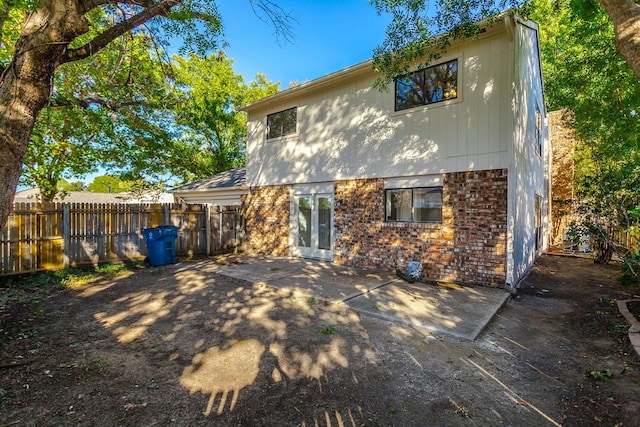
<point>161,244</point>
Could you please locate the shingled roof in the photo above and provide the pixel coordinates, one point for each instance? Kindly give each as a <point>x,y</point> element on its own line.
<point>223,189</point>
<point>227,179</point>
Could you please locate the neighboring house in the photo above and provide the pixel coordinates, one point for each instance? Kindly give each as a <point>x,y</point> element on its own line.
<point>562,184</point>
<point>223,189</point>
<point>449,167</point>
<point>33,196</point>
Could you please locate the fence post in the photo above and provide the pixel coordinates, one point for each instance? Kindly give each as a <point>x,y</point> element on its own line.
<point>207,227</point>
<point>167,215</point>
<point>66,234</point>
<point>220,225</point>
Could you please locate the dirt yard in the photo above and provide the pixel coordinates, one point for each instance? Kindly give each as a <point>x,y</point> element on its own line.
<point>159,346</point>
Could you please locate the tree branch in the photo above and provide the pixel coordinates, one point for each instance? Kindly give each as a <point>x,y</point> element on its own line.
<point>88,5</point>
<point>272,14</point>
<point>88,101</point>
<point>161,8</point>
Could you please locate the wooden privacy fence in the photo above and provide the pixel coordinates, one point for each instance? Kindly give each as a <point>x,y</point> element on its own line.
<point>56,235</point>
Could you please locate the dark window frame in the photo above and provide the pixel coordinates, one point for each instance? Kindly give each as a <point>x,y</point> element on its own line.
<point>418,86</point>
<point>412,220</point>
<point>539,125</point>
<point>277,126</point>
<point>538,222</point>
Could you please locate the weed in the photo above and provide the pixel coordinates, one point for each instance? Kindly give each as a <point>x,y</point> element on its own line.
<point>311,300</point>
<point>460,410</point>
<point>621,327</point>
<point>601,375</point>
<point>391,411</point>
<point>99,366</point>
<point>328,330</point>
<point>27,334</point>
<point>114,269</point>
<point>3,395</point>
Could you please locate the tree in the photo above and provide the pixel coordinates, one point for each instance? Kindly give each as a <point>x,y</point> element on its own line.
<point>211,133</point>
<point>416,23</point>
<point>66,186</point>
<point>98,103</point>
<point>111,184</point>
<point>56,32</point>
<point>625,15</point>
<point>584,73</point>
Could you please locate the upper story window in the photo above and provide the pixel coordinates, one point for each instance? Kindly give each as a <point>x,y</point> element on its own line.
<point>538,141</point>
<point>433,84</point>
<point>282,123</point>
<point>414,204</point>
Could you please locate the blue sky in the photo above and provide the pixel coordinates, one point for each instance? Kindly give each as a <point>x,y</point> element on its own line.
<point>329,35</point>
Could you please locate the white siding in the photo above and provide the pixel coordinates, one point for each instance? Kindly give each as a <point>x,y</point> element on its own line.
<point>352,131</point>
<point>527,178</point>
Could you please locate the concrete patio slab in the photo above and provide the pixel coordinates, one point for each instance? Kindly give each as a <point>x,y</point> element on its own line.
<point>459,311</point>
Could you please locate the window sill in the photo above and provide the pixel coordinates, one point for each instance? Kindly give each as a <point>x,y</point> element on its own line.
<point>282,138</point>
<point>423,108</point>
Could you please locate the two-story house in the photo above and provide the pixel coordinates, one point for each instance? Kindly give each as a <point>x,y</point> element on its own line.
<point>447,167</point>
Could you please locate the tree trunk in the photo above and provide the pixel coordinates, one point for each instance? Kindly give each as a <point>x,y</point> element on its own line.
<point>25,85</point>
<point>625,15</point>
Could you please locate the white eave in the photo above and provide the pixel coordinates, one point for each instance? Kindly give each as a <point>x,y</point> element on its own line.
<point>340,76</point>
<point>328,80</point>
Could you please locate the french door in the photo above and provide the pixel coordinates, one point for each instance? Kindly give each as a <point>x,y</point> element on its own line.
<point>312,226</point>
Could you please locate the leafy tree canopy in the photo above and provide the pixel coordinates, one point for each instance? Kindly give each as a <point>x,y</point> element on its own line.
<point>37,37</point>
<point>211,133</point>
<point>585,74</point>
<point>112,184</point>
<point>424,28</point>
<point>128,109</point>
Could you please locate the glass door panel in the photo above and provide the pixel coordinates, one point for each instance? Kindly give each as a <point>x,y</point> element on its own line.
<point>304,204</point>
<point>324,222</point>
<point>311,226</point>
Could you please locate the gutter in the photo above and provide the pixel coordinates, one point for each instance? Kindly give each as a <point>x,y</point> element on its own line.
<point>357,70</point>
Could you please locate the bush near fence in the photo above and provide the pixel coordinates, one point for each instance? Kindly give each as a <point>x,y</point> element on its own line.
<point>50,236</point>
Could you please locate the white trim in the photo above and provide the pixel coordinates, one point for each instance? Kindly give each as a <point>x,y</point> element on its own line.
<point>313,188</point>
<point>413,182</point>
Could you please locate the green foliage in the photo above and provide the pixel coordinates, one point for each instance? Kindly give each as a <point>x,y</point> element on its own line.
<point>329,330</point>
<point>585,74</point>
<point>64,185</point>
<point>111,184</point>
<point>421,30</point>
<point>104,111</point>
<point>210,132</point>
<point>121,109</point>
<point>141,118</point>
<point>601,375</point>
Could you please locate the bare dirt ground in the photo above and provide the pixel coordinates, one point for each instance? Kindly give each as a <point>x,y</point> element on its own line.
<point>160,346</point>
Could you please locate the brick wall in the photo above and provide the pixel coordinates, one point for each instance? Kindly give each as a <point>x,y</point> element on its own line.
<point>469,246</point>
<point>266,211</point>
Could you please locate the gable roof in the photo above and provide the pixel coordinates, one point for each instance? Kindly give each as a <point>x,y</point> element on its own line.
<point>227,179</point>
<point>223,189</point>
